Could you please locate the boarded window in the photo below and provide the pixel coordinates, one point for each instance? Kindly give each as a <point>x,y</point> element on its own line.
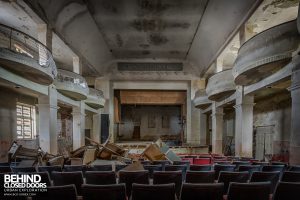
<point>26,121</point>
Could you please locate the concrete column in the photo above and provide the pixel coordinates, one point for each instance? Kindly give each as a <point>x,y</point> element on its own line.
<point>96,135</point>
<point>48,121</point>
<point>217,129</point>
<point>45,35</point>
<point>295,129</point>
<point>243,124</point>
<point>77,67</point>
<point>193,137</point>
<point>203,128</point>
<point>78,125</point>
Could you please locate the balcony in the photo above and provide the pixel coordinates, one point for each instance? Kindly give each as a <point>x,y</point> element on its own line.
<point>25,56</point>
<point>71,85</point>
<point>220,86</point>
<point>266,53</point>
<point>95,98</point>
<point>201,99</point>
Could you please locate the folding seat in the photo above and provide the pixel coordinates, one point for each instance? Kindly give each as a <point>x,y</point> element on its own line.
<point>66,178</point>
<point>100,177</point>
<point>222,162</point>
<point>100,168</point>
<point>212,191</point>
<point>227,168</point>
<point>249,168</point>
<point>260,163</point>
<point>200,167</point>
<point>50,169</point>
<point>228,177</point>
<point>287,191</point>
<point>163,163</point>
<point>130,177</point>
<point>200,177</point>
<point>74,168</point>
<point>202,161</point>
<point>5,169</point>
<point>120,167</point>
<point>45,177</point>
<point>273,168</point>
<point>191,160</point>
<point>152,168</point>
<point>182,162</point>
<point>23,169</point>
<point>182,168</point>
<point>104,192</point>
<point>279,163</point>
<point>239,163</point>
<point>153,192</point>
<point>4,164</point>
<point>295,168</point>
<point>289,176</point>
<point>249,191</point>
<point>169,177</point>
<point>273,177</point>
<point>66,192</point>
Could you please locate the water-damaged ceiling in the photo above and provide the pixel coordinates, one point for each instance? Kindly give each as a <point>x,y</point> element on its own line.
<point>103,32</point>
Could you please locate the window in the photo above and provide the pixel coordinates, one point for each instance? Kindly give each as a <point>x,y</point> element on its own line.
<point>26,121</point>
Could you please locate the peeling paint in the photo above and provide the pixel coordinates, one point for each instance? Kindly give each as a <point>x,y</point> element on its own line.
<point>157,39</point>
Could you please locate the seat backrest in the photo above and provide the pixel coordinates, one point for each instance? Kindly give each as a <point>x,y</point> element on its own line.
<point>152,168</point>
<point>200,167</point>
<point>166,177</point>
<point>23,169</point>
<point>239,163</point>
<point>202,161</point>
<point>100,177</point>
<point>182,168</point>
<point>249,191</point>
<point>130,177</point>
<point>45,178</point>
<point>50,169</point>
<point>273,168</point>
<point>287,191</point>
<point>100,168</point>
<point>74,168</point>
<point>153,192</point>
<point>228,177</point>
<point>200,177</point>
<point>120,167</point>
<point>66,178</point>
<point>273,177</point>
<point>67,192</point>
<point>249,168</point>
<point>226,168</point>
<point>5,169</point>
<point>289,176</point>
<point>209,191</point>
<point>295,168</point>
<point>104,192</point>
<point>146,162</point>
<point>182,162</point>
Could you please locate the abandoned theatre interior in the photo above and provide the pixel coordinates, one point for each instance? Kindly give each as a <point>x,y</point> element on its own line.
<point>150,99</point>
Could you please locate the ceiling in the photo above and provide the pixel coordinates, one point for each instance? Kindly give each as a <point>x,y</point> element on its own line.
<point>104,32</point>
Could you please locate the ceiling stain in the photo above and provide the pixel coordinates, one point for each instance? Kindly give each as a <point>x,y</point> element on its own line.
<point>157,39</point>
<point>152,6</point>
<point>119,40</point>
<point>144,46</point>
<point>146,25</point>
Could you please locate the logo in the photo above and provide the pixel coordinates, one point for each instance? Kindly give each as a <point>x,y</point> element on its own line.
<point>23,184</point>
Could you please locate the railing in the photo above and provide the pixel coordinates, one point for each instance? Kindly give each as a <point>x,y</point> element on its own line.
<point>96,93</point>
<point>21,43</point>
<point>72,79</point>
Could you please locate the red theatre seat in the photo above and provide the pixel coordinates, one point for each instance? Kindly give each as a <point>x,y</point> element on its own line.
<point>202,161</point>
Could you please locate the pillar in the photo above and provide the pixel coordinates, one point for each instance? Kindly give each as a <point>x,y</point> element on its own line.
<point>243,124</point>
<point>295,128</point>
<point>48,121</point>
<point>217,129</point>
<point>78,125</point>
<point>203,128</point>
<point>96,127</point>
<point>77,67</point>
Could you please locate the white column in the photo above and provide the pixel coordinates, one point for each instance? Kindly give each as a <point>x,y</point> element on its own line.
<point>295,129</point>
<point>217,129</point>
<point>48,121</point>
<point>77,68</point>
<point>243,124</point>
<point>96,135</point>
<point>203,128</point>
<point>78,125</point>
<point>194,135</point>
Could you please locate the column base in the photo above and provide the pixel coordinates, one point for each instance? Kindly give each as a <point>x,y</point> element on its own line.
<point>218,147</point>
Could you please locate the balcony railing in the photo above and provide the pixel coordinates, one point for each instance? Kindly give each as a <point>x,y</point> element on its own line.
<point>22,48</point>
<point>95,98</point>
<point>71,84</point>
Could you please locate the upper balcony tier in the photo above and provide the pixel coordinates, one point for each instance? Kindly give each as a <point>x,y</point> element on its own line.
<point>25,56</point>
<point>71,85</point>
<point>95,98</point>
<point>201,99</point>
<point>220,86</point>
<point>266,53</point>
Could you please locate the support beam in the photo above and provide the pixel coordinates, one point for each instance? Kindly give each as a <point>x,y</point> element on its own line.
<point>295,133</point>
<point>243,124</point>
<point>78,125</point>
<point>48,121</point>
<point>217,129</point>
